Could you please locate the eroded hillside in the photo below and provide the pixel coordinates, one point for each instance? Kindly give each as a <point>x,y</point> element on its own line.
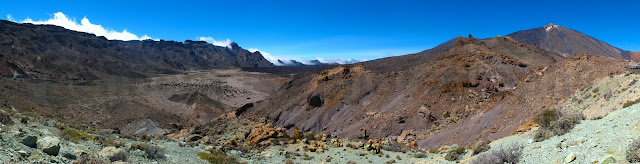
<point>496,81</point>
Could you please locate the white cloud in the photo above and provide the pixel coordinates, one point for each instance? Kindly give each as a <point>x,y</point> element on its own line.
<point>59,19</point>
<point>272,59</point>
<point>222,43</point>
<point>10,18</point>
<point>287,60</point>
<point>338,60</point>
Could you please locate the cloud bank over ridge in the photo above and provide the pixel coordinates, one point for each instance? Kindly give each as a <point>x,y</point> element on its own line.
<point>62,20</point>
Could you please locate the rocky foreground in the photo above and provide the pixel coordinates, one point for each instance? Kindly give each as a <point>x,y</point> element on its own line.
<point>28,139</point>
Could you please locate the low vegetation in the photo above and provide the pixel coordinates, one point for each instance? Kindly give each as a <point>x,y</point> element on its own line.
<point>89,159</point>
<point>510,154</point>
<point>151,152</point>
<point>632,153</point>
<point>454,154</point>
<point>553,123</point>
<point>120,156</point>
<point>545,117</point>
<point>75,135</point>
<point>5,118</point>
<point>218,157</point>
<point>629,103</point>
<point>481,146</point>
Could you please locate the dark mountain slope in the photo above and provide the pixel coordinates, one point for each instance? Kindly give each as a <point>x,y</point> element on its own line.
<point>566,42</point>
<point>48,52</point>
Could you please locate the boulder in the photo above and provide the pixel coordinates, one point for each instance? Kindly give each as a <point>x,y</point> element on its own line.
<point>23,153</point>
<point>569,158</point>
<point>30,141</point>
<point>315,101</point>
<point>49,145</point>
<point>109,152</point>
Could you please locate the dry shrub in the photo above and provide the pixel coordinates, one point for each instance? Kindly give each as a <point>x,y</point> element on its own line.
<point>554,123</point>
<point>510,154</point>
<point>120,156</point>
<point>89,159</point>
<point>152,152</point>
<point>454,154</point>
<point>481,146</point>
<point>542,134</point>
<point>632,151</point>
<point>545,117</point>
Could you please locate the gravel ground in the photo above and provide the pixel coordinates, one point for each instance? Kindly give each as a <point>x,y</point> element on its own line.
<point>591,141</point>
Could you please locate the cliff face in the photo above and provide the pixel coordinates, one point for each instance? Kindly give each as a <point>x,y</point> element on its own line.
<point>53,53</point>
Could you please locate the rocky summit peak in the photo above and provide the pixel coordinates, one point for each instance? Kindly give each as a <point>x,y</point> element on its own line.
<point>550,26</point>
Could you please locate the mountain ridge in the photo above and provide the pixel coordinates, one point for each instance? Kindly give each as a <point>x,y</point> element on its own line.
<point>48,52</point>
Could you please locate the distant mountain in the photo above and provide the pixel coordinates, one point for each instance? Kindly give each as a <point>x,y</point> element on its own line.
<point>552,39</point>
<point>53,53</point>
<point>566,42</point>
<point>297,63</point>
<point>635,56</point>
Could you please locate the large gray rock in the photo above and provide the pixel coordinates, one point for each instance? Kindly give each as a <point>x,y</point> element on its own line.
<point>30,141</point>
<point>109,152</point>
<point>49,145</point>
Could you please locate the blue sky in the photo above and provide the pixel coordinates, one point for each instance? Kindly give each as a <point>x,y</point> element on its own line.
<point>331,29</point>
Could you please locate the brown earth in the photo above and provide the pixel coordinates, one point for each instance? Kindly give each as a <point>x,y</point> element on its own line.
<point>148,105</point>
<point>635,56</point>
<point>471,78</point>
<point>479,89</point>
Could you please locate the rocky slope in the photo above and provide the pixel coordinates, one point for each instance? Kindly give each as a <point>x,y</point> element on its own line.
<point>346,101</point>
<point>52,53</point>
<point>635,56</point>
<point>566,42</point>
<point>152,106</point>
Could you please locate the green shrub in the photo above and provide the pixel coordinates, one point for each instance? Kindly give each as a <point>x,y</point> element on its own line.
<point>217,157</point>
<point>75,135</point>
<point>629,103</point>
<point>545,117</point>
<point>454,154</point>
<point>110,142</point>
<point>420,155</point>
<point>24,119</point>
